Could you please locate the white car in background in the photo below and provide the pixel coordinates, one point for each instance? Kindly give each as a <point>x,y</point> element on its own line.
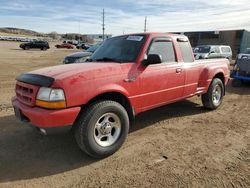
<point>212,51</point>
<point>245,54</point>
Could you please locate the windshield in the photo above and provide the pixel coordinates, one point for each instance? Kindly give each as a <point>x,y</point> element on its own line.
<point>202,49</point>
<point>92,49</point>
<point>247,51</point>
<point>120,49</point>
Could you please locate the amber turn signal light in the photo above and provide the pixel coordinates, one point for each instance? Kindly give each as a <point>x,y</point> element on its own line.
<point>51,104</point>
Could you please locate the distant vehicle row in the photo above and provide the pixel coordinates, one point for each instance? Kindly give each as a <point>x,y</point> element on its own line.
<point>44,45</point>
<point>78,44</point>
<point>17,39</point>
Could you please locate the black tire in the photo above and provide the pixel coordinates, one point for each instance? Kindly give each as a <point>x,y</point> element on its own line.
<point>85,128</point>
<point>44,48</point>
<point>236,83</point>
<point>26,48</point>
<point>208,100</point>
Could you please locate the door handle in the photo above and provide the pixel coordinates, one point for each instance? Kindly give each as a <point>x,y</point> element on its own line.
<point>178,70</point>
<point>130,80</point>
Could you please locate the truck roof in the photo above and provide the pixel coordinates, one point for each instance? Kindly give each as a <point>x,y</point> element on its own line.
<point>171,35</point>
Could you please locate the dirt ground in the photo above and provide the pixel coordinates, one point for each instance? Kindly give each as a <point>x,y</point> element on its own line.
<point>179,145</point>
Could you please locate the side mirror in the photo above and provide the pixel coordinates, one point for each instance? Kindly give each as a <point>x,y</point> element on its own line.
<point>152,59</point>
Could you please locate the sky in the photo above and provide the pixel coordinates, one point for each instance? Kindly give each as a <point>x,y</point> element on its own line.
<point>125,16</point>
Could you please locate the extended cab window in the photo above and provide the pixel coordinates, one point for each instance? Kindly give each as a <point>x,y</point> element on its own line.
<point>164,48</point>
<point>225,50</point>
<point>186,51</point>
<point>215,49</point>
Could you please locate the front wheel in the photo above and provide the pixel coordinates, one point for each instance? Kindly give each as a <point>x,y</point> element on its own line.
<point>213,98</point>
<point>102,128</point>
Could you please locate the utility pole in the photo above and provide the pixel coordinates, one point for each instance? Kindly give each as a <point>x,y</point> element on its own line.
<point>145,24</point>
<point>103,25</point>
<point>79,32</point>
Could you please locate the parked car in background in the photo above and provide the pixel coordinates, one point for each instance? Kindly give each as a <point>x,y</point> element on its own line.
<point>241,71</point>
<point>212,51</point>
<point>83,46</point>
<point>73,42</point>
<point>43,45</point>
<point>244,55</point>
<point>65,45</point>
<point>80,57</point>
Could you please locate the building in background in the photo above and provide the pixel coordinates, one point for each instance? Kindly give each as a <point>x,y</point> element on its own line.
<point>238,40</point>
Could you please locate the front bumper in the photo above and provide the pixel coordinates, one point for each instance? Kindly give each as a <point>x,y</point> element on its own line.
<point>240,75</point>
<point>44,118</point>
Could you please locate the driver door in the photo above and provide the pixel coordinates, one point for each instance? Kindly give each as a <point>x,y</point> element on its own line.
<point>162,83</point>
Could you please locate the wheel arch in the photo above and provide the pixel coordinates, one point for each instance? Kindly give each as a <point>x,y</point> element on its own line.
<point>116,96</point>
<point>221,76</point>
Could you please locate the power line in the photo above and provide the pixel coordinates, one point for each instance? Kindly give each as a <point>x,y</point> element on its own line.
<point>79,32</point>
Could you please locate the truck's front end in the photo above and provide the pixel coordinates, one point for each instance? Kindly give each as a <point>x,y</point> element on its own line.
<point>42,105</point>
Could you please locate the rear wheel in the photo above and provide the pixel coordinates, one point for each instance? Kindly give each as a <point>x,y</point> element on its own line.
<point>102,128</point>
<point>44,48</point>
<point>213,98</point>
<point>26,48</point>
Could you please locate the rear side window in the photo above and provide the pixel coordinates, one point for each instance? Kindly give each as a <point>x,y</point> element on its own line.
<point>216,49</point>
<point>225,50</point>
<point>186,51</point>
<point>165,49</point>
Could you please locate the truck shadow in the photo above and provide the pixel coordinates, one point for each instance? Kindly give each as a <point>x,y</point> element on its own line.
<point>25,154</point>
<point>179,109</point>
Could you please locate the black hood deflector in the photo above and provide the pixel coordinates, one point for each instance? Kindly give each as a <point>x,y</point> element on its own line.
<point>36,79</point>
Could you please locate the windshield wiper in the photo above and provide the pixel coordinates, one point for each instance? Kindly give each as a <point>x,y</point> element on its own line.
<point>107,59</point>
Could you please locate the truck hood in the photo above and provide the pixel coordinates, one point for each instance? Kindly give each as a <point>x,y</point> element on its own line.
<point>86,70</point>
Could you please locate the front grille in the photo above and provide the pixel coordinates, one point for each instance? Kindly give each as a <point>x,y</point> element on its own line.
<point>26,93</point>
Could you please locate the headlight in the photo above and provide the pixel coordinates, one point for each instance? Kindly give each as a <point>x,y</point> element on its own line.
<point>50,98</point>
<point>66,60</point>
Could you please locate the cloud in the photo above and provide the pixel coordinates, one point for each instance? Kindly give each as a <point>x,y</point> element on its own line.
<point>125,15</point>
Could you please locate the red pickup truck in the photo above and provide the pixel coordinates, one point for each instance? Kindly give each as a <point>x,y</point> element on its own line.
<point>127,75</point>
